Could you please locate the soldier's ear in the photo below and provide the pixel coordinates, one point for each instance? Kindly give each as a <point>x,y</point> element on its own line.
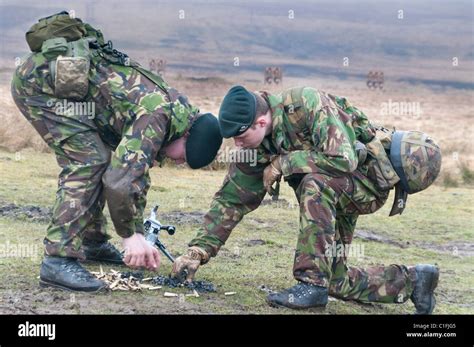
<point>261,121</point>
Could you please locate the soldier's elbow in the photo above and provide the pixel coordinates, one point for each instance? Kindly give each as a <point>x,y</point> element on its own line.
<point>348,165</point>
<point>115,186</point>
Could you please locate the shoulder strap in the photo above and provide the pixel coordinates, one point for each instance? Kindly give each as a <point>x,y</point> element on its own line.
<point>293,99</point>
<point>111,54</point>
<point>158,80</point>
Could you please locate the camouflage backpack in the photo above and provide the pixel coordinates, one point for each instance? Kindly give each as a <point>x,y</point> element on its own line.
<point>56,25</point>
<point>69,44</point>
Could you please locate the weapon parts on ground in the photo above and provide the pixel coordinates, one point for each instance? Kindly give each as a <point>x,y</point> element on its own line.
<point>133,280</point>
<point>152,232</point>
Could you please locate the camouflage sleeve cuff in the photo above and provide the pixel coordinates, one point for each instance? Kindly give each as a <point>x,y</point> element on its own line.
<point>210,243</point>
<point>135,228</point>
<point>297,162</point>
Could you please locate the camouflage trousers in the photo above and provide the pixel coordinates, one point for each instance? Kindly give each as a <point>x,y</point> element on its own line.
<point>83,158</point>
<point>329,208</point>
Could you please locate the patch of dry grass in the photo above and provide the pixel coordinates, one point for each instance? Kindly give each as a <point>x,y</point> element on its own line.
<point>15,131</point>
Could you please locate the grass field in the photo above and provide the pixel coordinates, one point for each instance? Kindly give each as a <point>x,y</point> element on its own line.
<point>437,227</point>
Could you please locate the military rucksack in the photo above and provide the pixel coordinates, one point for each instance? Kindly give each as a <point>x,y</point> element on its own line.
<point>56,25</point>
<point>69,44</point>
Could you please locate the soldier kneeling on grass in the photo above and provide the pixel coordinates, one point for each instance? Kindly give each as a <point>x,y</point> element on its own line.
<point>107,155</point>
<point>328,152</point>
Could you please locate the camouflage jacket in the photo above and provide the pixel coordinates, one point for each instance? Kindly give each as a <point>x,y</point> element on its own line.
<point>133,115</point>
<point>312,132</point>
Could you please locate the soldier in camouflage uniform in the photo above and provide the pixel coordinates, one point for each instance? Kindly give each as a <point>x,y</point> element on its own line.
<point>315,141</point>
<point>106,157</point>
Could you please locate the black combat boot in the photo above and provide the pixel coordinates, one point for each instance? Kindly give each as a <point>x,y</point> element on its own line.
<point>103,252</point>
<point>68,274</point>
<point>300,296</point>
<point>423,293</point>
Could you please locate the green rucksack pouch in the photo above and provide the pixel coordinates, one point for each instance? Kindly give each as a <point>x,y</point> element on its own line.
<point>69,45</point>
<point>379,168</point>
<point>71,71</point>
<point>69,64</point>
<point>56,25</point>
<point>54,47</point>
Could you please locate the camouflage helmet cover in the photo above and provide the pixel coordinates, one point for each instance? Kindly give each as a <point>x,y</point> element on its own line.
<point>416,158</point>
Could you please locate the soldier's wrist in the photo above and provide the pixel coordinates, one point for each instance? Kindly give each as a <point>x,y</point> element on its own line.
<point>141,232</point>
<point>285,165</point>
<point>276,163</point>
<point>198,253</point>
<point>125,234</point>
<point>139,229</point>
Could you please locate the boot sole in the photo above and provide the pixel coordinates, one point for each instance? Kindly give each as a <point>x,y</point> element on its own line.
<point>47,284</point>
<point>273,304</point>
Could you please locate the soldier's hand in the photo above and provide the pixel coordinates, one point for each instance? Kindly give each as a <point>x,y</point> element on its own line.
<point>186,265</point>
<point>139,253</point>
<point>272,174</point>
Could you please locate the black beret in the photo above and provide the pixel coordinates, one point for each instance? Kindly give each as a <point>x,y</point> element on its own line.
<point>237,112</point>
<point>203,142</point>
